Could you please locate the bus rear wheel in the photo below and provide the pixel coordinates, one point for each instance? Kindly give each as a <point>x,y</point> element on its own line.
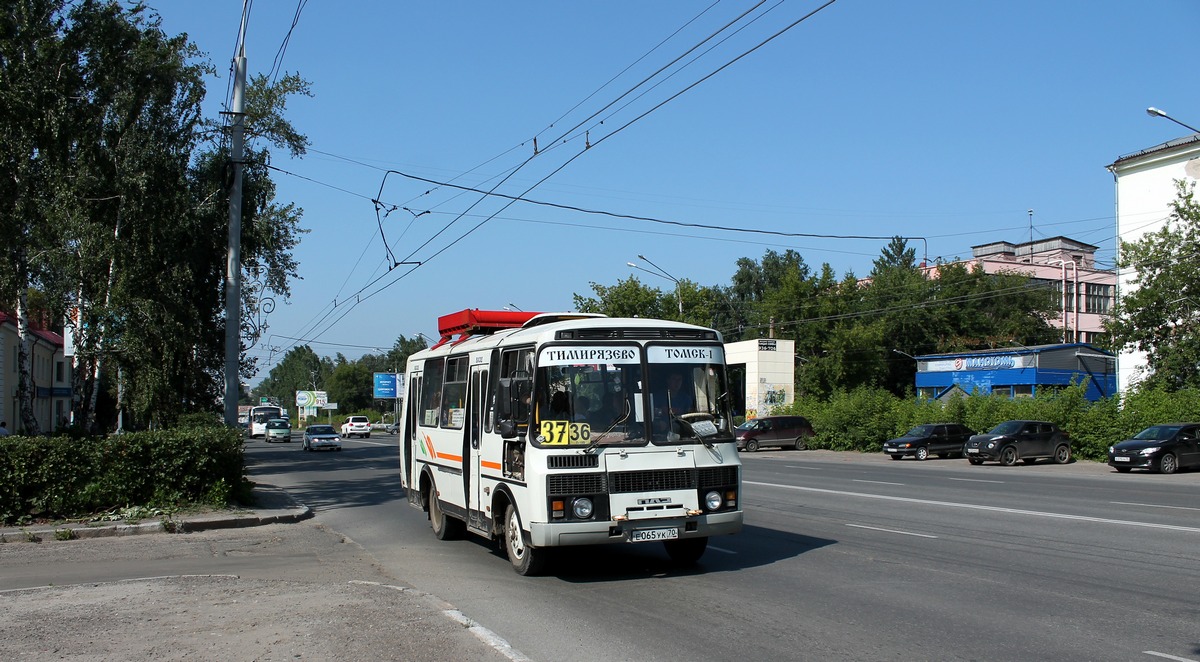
<point>526,559</point>
<point>445,527</point>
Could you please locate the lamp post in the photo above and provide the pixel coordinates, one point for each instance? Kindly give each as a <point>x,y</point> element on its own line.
<point>1155,112</point>
<point>904,354</point>
<point>661,273</point>
<point>514,307</point>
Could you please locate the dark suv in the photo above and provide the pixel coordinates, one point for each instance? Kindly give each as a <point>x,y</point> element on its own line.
<point>945,439</point>
<point>782,431</point>
<point>1027,441</point>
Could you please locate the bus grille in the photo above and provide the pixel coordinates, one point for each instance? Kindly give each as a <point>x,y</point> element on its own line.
<point>718,476</point>
<point>573,461</point>
<point>568,484</point>
<point>648,481</point>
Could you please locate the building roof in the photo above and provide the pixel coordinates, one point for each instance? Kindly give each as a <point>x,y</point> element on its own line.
<point>1164,147</point>
<point>48,336</point>
<point>1032,349</point>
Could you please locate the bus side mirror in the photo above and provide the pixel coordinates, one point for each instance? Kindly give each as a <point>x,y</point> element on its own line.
<point>508,429</point>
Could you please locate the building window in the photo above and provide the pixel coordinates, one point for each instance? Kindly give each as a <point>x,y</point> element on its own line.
<point>1022,391</point>
<point>59,372</point>
<point>1099,298</point>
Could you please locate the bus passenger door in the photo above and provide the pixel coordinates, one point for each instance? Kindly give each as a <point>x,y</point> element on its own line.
<point>477,517</point>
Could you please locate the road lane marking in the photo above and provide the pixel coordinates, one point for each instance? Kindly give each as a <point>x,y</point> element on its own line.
<point>360,441</point>
<point>1169,657</point>
<point>903,533</point>
<point>977,480</point>
<point>877,482</point>
<point>1151,505</point>
<point>793,466</point>
<point>719,549</point>
<point>971,506</point>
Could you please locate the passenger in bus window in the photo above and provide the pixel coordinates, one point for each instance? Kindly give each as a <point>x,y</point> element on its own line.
<point>560,405</point>
<point>611,411</point>
<point>679,394</point>
<point>583,406</point>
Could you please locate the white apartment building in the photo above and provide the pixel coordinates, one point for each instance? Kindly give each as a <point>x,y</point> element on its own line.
<point>1145,187</point>
<point>51,377</point>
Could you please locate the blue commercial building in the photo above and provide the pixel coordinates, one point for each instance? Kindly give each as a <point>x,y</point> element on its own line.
<point>1017,372</point>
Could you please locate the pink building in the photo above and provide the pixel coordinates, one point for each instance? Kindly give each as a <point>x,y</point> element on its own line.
<point>1067,266</point>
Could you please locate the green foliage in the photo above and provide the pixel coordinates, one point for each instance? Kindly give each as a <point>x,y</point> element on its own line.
<point>61,477</point>
<point>860,420</point>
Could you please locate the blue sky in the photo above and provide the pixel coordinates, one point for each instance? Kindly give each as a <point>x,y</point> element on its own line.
<point>942,119</point>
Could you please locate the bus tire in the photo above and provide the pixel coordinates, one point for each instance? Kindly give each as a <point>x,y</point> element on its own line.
<point>686,552</point>
<point>445,527</point>
<point>526,560</point>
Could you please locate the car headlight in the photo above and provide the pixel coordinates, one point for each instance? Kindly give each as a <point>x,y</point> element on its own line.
<point>991,444</point>
<point>1151,451</point>
<point>1110,449</point>
<point>582,507</point>
<point>712,500</point>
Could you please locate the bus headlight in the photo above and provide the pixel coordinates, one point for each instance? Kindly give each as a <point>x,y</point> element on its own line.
<point>712,500</point>
<point>582,507</point>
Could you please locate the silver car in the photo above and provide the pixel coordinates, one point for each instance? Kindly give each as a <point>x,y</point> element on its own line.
<point>321,436</point>
<point>278,429</point>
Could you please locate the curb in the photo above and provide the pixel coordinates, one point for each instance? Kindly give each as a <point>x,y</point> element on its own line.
<point>285,510</point>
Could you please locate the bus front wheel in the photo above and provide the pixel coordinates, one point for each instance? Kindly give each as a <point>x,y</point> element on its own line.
<point>526,560</point>
<point>686,551</point>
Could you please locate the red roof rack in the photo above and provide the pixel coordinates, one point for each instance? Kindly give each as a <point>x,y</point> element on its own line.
<point>470,322</point>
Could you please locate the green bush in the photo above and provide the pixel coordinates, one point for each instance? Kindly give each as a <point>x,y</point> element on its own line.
<point>864,418</point>
<point>64,477</point>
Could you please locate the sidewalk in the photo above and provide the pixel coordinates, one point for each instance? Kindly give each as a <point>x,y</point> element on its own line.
<point>266,583</point>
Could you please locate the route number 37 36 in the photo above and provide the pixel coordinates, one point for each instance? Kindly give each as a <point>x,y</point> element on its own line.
<point>562,433</point>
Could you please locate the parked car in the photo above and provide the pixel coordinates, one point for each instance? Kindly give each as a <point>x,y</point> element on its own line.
<point>945,439</point>
<point>356,425</point>
<point>278,429</point>
<point>1160,448</point>
<point>782,431</point>
<point>321,436</point>
<point>1027,441</point>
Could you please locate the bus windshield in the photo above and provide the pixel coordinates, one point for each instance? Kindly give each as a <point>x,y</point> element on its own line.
<point>588,394</point>
<point>687,384</point>
<point>599,395</point>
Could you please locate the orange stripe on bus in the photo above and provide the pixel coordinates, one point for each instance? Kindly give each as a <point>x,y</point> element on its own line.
<point>490,465</point>
<point>447,456</point>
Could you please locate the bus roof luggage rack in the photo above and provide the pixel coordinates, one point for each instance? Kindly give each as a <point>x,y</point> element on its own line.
<point>469,322</point>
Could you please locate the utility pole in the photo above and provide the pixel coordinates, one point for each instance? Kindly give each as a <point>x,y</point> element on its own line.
<point>233,263</point>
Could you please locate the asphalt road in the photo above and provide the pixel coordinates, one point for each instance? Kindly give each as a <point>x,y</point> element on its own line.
<point>845,556</point>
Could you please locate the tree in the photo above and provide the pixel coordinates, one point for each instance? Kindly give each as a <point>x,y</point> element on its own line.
<point>113,212</point>
<point>1160,314</point>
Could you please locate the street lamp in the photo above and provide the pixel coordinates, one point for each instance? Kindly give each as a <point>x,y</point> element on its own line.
<point>661,273</point>
<point>904,354</point>
<point>514,307</point>
<point>1155,112</point>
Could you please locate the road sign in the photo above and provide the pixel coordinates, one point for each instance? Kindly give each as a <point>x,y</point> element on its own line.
<point>264,400</point>
<point>329,405</point>
<point>385,385</point>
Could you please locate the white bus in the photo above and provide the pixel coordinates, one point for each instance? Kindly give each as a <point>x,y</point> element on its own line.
<point>552,429</point>
<point>259,415</point>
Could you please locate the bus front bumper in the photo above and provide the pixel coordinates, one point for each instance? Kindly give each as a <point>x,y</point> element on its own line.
<point>561,534</point>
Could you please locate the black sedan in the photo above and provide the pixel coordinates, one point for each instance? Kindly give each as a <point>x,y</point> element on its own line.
<point>944,439</point>
<point>1161,448</point>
